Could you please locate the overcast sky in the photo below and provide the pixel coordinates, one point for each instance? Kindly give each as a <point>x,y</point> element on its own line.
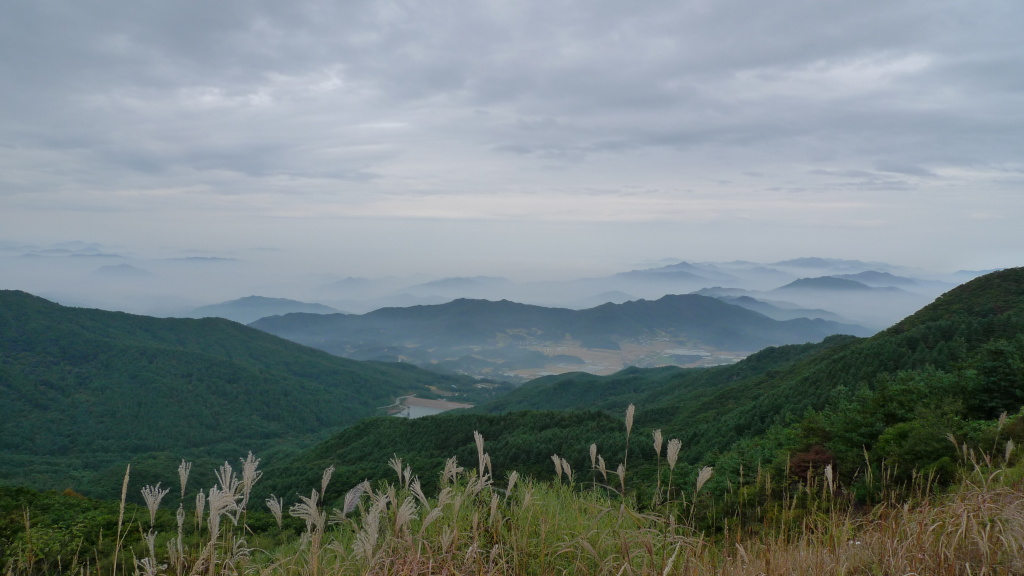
<point>526,137</point>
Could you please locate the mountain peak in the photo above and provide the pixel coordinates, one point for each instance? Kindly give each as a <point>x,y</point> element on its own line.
<point>825,283</point>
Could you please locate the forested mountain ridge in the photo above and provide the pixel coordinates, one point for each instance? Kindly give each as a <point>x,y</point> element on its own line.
<point>467,322</point>
<point>81,389</point>
<point>976,329</point>
<point>494,331</point>
<point>950,369</point>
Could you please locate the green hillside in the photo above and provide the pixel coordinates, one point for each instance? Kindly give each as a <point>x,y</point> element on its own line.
<point>83,391</point>
<point>952,368</point>
<point>522,441</point>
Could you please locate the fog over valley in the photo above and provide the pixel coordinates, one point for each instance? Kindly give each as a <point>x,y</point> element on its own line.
<point>177,283</point>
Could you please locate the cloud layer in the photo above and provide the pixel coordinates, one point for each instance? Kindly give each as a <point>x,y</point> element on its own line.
<point>868,129</point>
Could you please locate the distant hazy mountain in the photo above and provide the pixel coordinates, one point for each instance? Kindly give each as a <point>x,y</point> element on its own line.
<point>966,275</point>
<point>685,270</point>
<point>490,330</point>
<point>252,308</point>
<point>460,287</point>
<point>122,271</point>
<point>824,283</point>
<point>831,264</point>
<point>667,276</point>
<point>879,279</point>
<point>781,310</point>
<point>613,296</point>
<point>875,307</point>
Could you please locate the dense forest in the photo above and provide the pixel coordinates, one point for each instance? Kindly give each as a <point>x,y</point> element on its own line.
<point>84,391</point>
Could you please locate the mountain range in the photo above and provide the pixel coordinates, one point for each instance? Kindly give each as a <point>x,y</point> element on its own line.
<point>89,275</point>
<point>888,403</point>
<point>482,337</point>
<point>252,308</point>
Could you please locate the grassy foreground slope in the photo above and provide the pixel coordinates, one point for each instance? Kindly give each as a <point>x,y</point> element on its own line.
<point>84,389</point>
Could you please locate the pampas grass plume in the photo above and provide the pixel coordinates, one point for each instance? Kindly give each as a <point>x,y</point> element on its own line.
<point>275,505</point>
<point>672,454</point>
<point>153,495</point>
<point>326,479</point>
<point>200,508</point>
<point>703,477</point>
<point>558,465</point>
<point>183,469</point>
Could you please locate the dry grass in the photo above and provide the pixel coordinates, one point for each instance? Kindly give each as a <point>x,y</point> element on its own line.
<point>475,525</point>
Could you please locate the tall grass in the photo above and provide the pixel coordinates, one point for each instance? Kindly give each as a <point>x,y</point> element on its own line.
<point>477,524</point>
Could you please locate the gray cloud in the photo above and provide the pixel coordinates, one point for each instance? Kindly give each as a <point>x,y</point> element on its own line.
<point>315,109</point>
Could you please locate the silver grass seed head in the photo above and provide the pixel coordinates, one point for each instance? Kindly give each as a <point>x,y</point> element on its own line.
<point>479,439</point>
<point>512,478</point>
<point>492,518</point>
<point>275,505</point>
<point>308,510</point>
<point>416,487</point>
<point>326,479</point>
<point>430,517</point>
<point>250,475</point>
<point>220,503</point>
<point>149,567</point>
<point>630,410</point>
<point>657,441</point>
<point>451,470</point>
<point>183,470</point>
<point>150,538</point>
<point>352,497</point>
<point>703,476</point>
<point>593,455</point>
<point>396,464</point>
<point>153,495</point>
<point>227,479</point>
<point>172,552</point>
<point>558,465</point>
<point>672,453</point>
<point>200,507</point>
<point>404,515</point>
